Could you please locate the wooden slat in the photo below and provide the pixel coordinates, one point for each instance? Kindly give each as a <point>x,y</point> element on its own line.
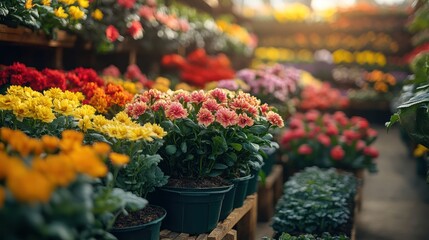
<point>182,236</point>
<point>231,235</point>
<point>269,193</point>
<point>247,225</point>
<point>202,237</point>
<point>234,217</point>
<point>21,35</point>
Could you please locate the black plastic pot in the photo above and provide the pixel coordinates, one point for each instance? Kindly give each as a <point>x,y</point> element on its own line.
<point>252,186</point>
<point>241,191</point>
<point>148,231</point>
<point>228,203</point>
<point>191,210</point>
<point>269,161</point>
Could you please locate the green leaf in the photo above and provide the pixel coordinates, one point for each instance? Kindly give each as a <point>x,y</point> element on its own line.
<point>219,145</point>
<point>3,11</point>
<point>220,166</point>
<point>251,147</point>
<point>183,147</point>
<point>170,149</point>
<point>420,98</point>
<point>258,129</point>
<point>236,146</point>
<point>393,119</point>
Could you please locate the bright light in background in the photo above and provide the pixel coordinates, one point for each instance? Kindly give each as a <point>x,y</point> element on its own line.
<point>389,2</point>
<point>319,5</point>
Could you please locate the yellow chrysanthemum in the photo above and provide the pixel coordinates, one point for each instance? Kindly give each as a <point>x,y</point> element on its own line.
<point>21,110</point>
<point>46,2</point>
<point>29,4</point>
<point>158,130</point>
<point>138,133</point>
<point>76,13</point>
<point>30,186</point>
<point>64,106</point>
<point>115,131</point>
<point>123,118</point>
<point>59,12</point>
<point>97,14</point>
<point>85,123</point>
<point>8,101</point>
<point>85,110</point>
<point>101,148</point>
<point>67,2</point>
<point>119,159</point>
<point>83,3</point>
<point>44,114</point>
<point>98,121</point>
<point>420,151</point>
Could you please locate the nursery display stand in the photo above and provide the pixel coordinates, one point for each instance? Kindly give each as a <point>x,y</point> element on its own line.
<point>25,36</point>
<point>269,192</point>
<point>242,219</point>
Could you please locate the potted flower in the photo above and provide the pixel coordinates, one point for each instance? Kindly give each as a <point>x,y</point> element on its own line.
<point>329,140</point>
<point>212,136</point>
<point>64,110</point>
<point>49,191</point>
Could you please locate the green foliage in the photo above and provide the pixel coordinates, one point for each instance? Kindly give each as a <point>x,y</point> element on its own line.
<point>324,236</point>
<point>316,201</point>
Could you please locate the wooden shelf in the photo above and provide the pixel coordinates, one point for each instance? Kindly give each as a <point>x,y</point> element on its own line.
<point>25,36</point>
<point>243,219</point>
<point>269,193</point>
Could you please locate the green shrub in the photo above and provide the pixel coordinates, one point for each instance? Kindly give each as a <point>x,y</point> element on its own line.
<point>316,201</point>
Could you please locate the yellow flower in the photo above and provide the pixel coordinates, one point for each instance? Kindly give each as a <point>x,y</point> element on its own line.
<point>85,110</point>
<point>420,151</point>
<point>30,186</point>
<point>57,168</point>
<point>97,14</point>
<point>158,130</point>
<point>50,143</point>
<point>85,160</point>
<point>67,2</point>
<point>59,12</point>
<point>2,197</point>
<point>98,121</point>
<point>29,4</point>
<point>76,13</point>
<point>8,101</point>
<point>119,159</point>
<point>44,113</point>
<point>41,100</point>
<point>64,106</point>
<point>163,81</point>
<point>83,3</point>
<point>161,87</point>
<point>123,118</point>
<point>46,2</point>
<point>101,148</point>
<point>115,131</point>
<point>85,123</point>
<point>138,133</point>
<point>21,110</point>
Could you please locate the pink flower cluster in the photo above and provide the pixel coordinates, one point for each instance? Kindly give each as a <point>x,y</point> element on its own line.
<point>218,107</point>
<point>314,135</point>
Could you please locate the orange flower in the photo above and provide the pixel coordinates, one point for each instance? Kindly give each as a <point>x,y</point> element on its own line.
<point>2,197</point>
<point>50,143</point>
<point>119,159</point>
<point>58,169</point>
<point>30,186</point>
<point>101,148</point>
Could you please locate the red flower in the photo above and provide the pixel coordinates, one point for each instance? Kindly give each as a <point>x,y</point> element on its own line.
<point>305,149</point>
<point>351,135</point>
<point>147,13</point>
<point>127,3</point>
<point>324,140</point>
<point>55,78</point>
<point>337,153</point>
<point>372,133</point>
<point>295,123</point>
<point>198,57</point>
<point>87,75</point>
<point>299,133</point>
<point>112,33</point>
<point>287,137</point>
<point>332,130</point>
<point>135,29</point>
<point>312,115</point>
<point>111,70</point>
<point>133,72</point>
<point>173,60</point>
<point>34,78</point>
<point>371,152</point>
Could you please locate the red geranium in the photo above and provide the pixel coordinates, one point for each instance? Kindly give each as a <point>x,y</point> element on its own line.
<point>112,34</point>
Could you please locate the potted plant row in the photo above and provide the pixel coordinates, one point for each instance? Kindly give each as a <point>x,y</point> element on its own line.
<point>316,201</point>
<point>325,236</point>
<point>55,111</point>
<point>214,140</point>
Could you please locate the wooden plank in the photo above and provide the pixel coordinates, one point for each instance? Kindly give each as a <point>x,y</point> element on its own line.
<point>164,233</point>
<point>269,193</point>
<point>234,217</point>
<point>247,225</point>
<point>182,236</point>
<point>22,35</point>
<point>231,235</point>
<point>202,237</point>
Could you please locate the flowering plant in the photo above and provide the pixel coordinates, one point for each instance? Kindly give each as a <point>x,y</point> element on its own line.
<point>329,141</point>
<point>49,191</point>
<point>275,85</point>
<point>45,15</point>
<point>107,98</point>
<point>209,133</point>
<point>323,97</point>
<point>198,68</point>
<point>379,81</point>
<point>55,111</point>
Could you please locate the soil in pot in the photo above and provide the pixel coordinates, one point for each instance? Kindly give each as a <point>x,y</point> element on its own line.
<point>209,182</point>
<point>146,215</point>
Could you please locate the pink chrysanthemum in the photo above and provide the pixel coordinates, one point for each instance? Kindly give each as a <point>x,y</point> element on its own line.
<point>136,109</point>
<point>226,117</point>
<point>205,117</point>
<point>219,95</point>
<point>244,120</point>
<point>175,111</point>
<point>264,108</point>
<point>275,119</point>
<point>182,96</point>
<point>160,104</point>
<point>198,96</point>
<point>211,105</point>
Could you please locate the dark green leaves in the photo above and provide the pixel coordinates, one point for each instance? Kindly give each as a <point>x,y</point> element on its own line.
<point>170,149</point>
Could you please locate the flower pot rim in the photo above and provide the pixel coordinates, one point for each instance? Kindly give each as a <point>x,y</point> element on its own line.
<point>138,227</point>
<point>242,178</point>
<point>197,190</point>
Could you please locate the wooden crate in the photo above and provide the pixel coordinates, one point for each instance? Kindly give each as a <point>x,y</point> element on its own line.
<point>242,219</point>
<point>269,193</point>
